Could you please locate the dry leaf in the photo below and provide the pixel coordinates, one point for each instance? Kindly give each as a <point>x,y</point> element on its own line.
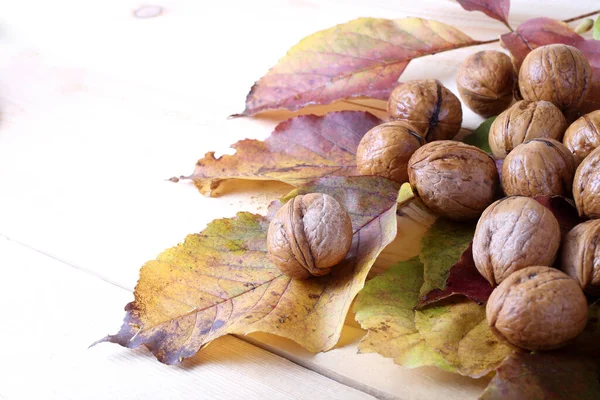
<point>463,279</point>
<point>441,248</point>
<point>385,309</point>
<point>453,336</point>
<point>542,31</point>
<point>300,149</point>
<point>221,281</point>
<point>497,9</point>
<point>361,58</point>
<point>545,376</point>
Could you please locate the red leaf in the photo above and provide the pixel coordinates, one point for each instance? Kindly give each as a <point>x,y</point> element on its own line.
<point>361,58</point>
<point>464,279</point>
<point>542,31</point>
<point>563,209</point>
<point>299,150</point>
<point>497,9</point>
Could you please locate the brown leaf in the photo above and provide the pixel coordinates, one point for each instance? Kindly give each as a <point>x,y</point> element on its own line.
<point>464,279</point>
<point>497,9</point>
<point>542,31</point>
<point>299,150</point>
<point>544,376</point>
<point>221,281</point>
<point>361,58</point>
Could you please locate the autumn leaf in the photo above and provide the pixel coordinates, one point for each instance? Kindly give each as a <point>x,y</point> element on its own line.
<point>441,248</point>
<point>497,9</point>
<point>463,279</point>
<point>458,330</point>
<point>385,309</point>
<point>545,376</point>
<point>300,149</point>
<point>221,281</point>
<point>361,58</point>
<point>542,31</point>
<point>480,136</point>
<point>453,335</point>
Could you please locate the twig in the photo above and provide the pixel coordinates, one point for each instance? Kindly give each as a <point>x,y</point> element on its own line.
<point>582,16</point>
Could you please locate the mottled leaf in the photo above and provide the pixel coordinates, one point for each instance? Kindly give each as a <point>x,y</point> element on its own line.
<point>361,58</point>
<point>545,376</point>
<point>542,31</point>
<point>458,330</point>
<point>563,209</point>
<point>441,248</point>
<point>385,309</point>
<point>221,281</point>
<point>299,150</point>
<point>497,9</point>
<point>453,336</point>
<point>480,136</point>
<point>463,279</point>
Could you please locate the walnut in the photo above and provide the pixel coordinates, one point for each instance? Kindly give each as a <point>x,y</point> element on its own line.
<point>485,82</point>
<point>557,73</point>
<point>454,179</point>
<point>386,149</point>
<point>583,136</point>
<point>537,308</point>
<point>309,235</point>
<point>586,186</point>
<point>523,121</point>
<point>538,167</point>
<point>514,233</point>
<point>580,255</point>
<point>431,108</point>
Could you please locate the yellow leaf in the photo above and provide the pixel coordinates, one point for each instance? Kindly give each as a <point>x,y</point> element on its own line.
<point>221,281</point>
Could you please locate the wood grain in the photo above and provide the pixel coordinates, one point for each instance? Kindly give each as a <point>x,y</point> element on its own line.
<point>99,105</point>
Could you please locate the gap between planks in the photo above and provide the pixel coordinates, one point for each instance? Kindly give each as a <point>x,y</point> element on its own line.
<point>323,371</point>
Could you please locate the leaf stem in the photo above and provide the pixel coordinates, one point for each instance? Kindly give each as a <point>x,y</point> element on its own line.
<point>582,16</point>
<point>508,26</point>
<point>364,105</point>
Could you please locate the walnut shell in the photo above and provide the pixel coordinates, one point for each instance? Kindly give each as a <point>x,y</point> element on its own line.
<point>557,73</point>
<point>538,167</point>
<point>580,255</point>
<point>583,136</point>
<point>586,186</point>
<point>386,149</point>
<point>427,105</point>
<point>485,82</point>
<point>454,179</point>
<point>309,235</point>
<point>537,308</point>
<point>514,233</point>
<point>523,121</point>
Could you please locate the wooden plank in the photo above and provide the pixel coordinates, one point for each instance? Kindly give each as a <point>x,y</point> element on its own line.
<point>52,313</point>
<point>99,107</point>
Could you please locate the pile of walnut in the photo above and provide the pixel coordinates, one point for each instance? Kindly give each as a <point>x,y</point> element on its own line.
<point>517,246</point>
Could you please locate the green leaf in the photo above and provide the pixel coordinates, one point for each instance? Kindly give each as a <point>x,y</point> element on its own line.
<point>385,309</point>
<point>453,336</point>
<point>596,31</point>
<point>441,248</point>
<point>458,330</point>
<point>479,137</point>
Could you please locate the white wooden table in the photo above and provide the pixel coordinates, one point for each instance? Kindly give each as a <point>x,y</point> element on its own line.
<point>98,107</point>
